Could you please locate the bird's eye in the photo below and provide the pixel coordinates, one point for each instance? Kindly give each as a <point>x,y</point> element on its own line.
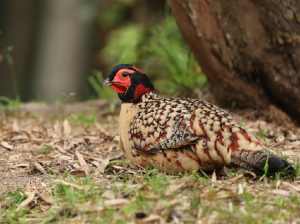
<point>124,74</point>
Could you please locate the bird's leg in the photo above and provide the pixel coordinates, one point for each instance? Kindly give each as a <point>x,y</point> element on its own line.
<point>146,152</point>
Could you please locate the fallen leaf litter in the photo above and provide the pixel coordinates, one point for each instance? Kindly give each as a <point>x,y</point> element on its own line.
<point>83,151</point>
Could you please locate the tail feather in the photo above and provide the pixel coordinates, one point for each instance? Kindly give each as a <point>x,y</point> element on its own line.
<point>255,161</point>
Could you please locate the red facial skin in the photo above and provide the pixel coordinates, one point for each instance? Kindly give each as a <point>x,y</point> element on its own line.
<point>124,81</point>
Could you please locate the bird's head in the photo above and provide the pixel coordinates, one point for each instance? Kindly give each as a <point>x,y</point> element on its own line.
<point>130,82</point>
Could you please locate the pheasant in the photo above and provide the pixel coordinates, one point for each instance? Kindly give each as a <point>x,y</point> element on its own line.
<point>182,134</point>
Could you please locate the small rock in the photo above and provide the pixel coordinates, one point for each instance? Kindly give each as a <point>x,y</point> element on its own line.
<point>280,138</point>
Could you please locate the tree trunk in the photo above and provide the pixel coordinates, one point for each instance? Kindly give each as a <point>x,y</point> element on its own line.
<point>62,49</point>
<point>249,49</point>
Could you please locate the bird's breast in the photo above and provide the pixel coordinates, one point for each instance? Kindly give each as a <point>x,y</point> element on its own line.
<point>127,114</point>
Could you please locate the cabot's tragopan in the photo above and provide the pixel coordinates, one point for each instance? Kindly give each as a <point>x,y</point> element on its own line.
<point>179,134</point>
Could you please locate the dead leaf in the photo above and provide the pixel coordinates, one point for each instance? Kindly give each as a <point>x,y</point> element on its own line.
<point>234,179</point>
<point>76,165</point>
<point>15,126</point>
<point>109,194</point>
<point>99,205</point>
<point>278,184</point>
<point>116,156</point>
<point>280,192</point>
<point>296,188</point>
<point>65,157</point>
<point>118,201</point>
<point>295,143</point>
<point>67,128</point>
<point>59,148</point>
<point>117,167</point>
<point>69,144</point>
<point>46,197</point>
<point>78,173</point>
<point>27,200</point>
<point>82,162</point>
<point>33,220</point>
<point>250,175</point>
<point>22,165</point>
<point>56,127</point>
<point>96,163</point>
<point>103,164</point>
<point>174,187</point>
<point>214,177</point>
<point>44,157</point>
<point>7,146</point>
<point>117,138</point>
<point>19,138</point>
<point>241,189</point>
<point>73,184</point>
<point>40,168</point>
<point>110,148</point>
<point>153,196</point>
<point>242,209</point>
<point>9,135</point>
<point>223,194</point>
<point>290,153</point>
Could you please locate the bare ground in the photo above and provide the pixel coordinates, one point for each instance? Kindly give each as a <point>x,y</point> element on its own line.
<point>36,147</point>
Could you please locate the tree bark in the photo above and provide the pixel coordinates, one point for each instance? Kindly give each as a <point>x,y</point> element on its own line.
<point>249,49</point>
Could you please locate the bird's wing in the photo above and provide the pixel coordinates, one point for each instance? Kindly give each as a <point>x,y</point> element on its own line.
<point>161,125</point>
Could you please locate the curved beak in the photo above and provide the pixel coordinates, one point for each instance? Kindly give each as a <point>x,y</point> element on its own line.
<point>108,83</point>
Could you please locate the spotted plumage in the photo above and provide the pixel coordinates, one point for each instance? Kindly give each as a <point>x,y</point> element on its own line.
<point>178,134</point>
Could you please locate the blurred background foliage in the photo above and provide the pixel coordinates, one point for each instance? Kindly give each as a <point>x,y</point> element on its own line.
<point>54,58</point>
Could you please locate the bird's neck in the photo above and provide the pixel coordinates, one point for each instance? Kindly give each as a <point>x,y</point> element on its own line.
<point>135,93</point>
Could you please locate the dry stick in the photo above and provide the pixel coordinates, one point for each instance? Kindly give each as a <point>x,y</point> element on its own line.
<point>40,167</point>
